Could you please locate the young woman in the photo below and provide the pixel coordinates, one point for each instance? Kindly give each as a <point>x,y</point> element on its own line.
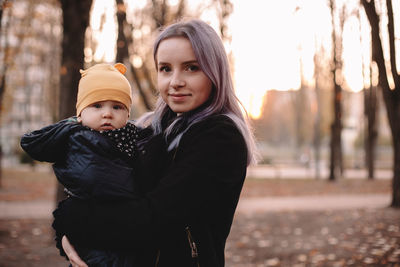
<point>188,215</point>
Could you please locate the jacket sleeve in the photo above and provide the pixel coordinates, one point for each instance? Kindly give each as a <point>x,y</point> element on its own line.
<point>209,165</point>
<point>48,143</point>
<point>94,167</point>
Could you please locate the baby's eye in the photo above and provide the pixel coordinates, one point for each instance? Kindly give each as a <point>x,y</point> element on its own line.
<point>96,105</point>
<point>118,107</point>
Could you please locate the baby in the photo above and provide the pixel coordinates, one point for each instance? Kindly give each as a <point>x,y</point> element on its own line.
<point>93,153</point>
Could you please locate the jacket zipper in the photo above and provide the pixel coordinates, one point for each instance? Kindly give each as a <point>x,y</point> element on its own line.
<point>192,244</point>
<point>193,247</point>
<point>157,258</point>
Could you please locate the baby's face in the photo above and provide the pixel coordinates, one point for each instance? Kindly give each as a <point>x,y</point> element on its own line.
<point>105,115</point>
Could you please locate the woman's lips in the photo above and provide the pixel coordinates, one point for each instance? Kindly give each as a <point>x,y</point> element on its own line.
<point>178,97</point>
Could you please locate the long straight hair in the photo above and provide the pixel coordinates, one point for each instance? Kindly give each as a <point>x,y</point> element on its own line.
<point>211,56</point>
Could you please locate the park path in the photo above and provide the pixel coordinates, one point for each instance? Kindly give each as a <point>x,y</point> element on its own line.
<point>300,172</point>
<point>315,203</point>
<point>43,209</point>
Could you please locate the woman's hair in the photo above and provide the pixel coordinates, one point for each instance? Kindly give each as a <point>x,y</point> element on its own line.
<point>211,56</point>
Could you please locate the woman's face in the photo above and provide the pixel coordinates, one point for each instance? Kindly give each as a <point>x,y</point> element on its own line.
<point>182,83</point>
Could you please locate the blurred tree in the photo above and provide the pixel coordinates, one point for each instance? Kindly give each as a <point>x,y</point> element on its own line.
<point>319,78</point>
<point>302,112</point>
<point>391,96</point>
<point>322,98</point>
<point>75,22</point>
<point>224,10</point>
<point>370,112</point>
<point>336,157</point>
<point>76,15</point>
<point>124,41</point>
<point>3,5</point>
<point>7,59</point>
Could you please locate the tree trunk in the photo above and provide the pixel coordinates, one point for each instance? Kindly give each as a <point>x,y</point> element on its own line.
<point>301,117</point>
<point>123,44</point>
<point>371,102</point>
<point>4,69</point>
<point>336,138</point>
<point>2,87</point>
<point>336,160</point>
<point>394,122</point>
<point>76,14</point>
<point>370,109</point>
<point>391,97</point>
<point>396,171</point>
<point>75,22</point>
<point>317,135</point>
<point>160,12</point>
<point>317,120</point>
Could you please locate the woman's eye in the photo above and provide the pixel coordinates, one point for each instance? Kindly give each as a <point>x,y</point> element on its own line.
<point>164,69</point>
<point>192,68</point>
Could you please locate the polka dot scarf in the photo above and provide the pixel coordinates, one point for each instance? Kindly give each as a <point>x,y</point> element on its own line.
<point>125,138</point>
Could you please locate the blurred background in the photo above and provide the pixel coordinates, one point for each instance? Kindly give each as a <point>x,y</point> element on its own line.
<point>303,70</point>
<point>319,81</point>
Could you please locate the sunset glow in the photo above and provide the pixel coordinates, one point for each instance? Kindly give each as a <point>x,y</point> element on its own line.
<point>271,43</point>
<point>104,30</point>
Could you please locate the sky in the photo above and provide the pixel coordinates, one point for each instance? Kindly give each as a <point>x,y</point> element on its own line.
<point>270,41</point>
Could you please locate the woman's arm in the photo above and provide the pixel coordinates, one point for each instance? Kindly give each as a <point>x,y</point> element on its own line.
<point>209,163</point>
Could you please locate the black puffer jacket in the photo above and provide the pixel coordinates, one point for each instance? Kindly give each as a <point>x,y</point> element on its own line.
<point>86,162</point>
<point>92,169</point>
<point>188,215</point>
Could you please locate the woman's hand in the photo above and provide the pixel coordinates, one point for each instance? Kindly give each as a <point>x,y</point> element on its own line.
<point>72,255</point>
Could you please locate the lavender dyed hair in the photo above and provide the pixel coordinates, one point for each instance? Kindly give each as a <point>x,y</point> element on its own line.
<point>211,56</point>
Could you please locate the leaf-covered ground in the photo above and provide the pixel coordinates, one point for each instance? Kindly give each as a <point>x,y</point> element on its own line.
<point>363,237</point>
<point>311,238</point>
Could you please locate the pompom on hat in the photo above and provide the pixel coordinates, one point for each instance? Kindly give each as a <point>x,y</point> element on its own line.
<point>103,82</point>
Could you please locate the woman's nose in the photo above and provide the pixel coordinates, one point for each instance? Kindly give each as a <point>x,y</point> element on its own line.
<point>177,81</point>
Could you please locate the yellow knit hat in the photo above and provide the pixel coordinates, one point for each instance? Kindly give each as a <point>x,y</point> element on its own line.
<point>103,82</point>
